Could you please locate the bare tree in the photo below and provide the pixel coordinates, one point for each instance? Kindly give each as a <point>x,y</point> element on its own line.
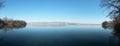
<point>114,6</point>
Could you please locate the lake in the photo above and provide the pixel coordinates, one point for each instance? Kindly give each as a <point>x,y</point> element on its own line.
<point>70,35</point>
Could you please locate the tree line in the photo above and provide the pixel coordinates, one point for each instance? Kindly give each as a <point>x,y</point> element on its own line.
<point>114,14</point>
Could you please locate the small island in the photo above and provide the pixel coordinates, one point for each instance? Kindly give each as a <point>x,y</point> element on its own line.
<point>5,22</point>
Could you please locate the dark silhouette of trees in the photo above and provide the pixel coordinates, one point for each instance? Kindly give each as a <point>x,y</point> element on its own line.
<point>5,22</point>
<point>1,5</point>
<point>1,23</point>
<point>104,24</point>
<point>114,6</point>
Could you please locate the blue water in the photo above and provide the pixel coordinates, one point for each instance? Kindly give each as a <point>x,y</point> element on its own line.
<point>76,35</point>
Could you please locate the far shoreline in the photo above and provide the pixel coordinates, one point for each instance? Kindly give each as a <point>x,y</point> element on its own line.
<point>57,23</point>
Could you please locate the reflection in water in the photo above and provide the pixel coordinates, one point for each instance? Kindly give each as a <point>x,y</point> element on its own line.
<point>83,35</point>
<point>114,40</point>
<point>6,28</point>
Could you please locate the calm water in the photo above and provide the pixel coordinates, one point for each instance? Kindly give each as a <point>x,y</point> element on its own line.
<point>80,35</point>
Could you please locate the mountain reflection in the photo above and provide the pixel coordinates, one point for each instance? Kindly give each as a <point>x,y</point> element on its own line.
<point>114,40</point>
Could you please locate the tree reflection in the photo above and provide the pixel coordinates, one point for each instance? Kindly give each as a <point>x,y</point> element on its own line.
<point>114,40</point>
<point>7,28</point>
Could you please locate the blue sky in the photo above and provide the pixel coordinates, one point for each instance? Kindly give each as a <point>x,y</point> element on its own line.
<point>80,11</point>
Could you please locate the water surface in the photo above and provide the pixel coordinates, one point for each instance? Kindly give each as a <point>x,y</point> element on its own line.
<point>75,35</point>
